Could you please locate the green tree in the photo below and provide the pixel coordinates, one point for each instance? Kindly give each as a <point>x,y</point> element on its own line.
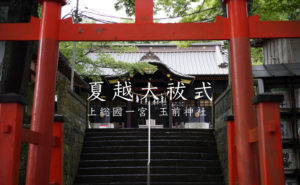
<point>189,11</point>
<point>257,56</point>
<point>207,10</point>
<point>277,9</point>
<point>178,8</point>
<point>85,66</point>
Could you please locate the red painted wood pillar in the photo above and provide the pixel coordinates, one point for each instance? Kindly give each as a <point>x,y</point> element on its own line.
<point>43,101</point>
<point>143,11</point>
<point>11,124</point>
<point>232,166</point>
<point>57,152</point>
<point>242,89</point>
<point>269,139</point>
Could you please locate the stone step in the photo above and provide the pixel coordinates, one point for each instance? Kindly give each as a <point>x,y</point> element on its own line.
<point>154,170</point>
<point>154,155</point>
<point>178,157</point>
<point>145,137</point>
<point>144,142</point>
<point>153,183</point>
<point>164,130</point>
<point>143,162</point>
<point>201,134</point>
<point>154,178</point>
<point>119,149</point>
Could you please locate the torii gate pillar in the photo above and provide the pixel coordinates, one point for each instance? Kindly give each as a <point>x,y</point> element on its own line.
<point>238,28</point>
<point>243,93</point>
<point>44,91</point>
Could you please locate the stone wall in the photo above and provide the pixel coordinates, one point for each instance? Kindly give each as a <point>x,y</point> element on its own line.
<point>223,108</point>
<point>73,108</point>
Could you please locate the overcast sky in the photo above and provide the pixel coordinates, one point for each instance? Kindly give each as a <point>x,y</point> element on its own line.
<point>96,7</point>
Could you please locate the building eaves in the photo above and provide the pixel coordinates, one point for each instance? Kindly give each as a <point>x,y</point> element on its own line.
<point>276,70</point>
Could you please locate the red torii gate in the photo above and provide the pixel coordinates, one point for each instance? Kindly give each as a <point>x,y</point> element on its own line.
<point>238,28</point>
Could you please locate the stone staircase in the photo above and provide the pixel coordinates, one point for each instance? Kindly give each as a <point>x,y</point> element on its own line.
<point>178,157</point>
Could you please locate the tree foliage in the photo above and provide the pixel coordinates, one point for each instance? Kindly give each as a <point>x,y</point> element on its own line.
<point>189,11</point>
<point>176,8</point>
<point>257,56</point>
<point>267,9</point>
<point>207,10</point>
<point>93,68</point>
<point>277,9</point>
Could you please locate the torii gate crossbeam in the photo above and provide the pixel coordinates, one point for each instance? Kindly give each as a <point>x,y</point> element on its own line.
<point>220,30</point>
<point>238,28</point>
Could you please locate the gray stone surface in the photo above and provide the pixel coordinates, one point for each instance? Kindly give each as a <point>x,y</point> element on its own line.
<point>73,108</point>
<point>223,108</point>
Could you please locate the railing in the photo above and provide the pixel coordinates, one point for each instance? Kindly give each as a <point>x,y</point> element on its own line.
<point>149,144</point>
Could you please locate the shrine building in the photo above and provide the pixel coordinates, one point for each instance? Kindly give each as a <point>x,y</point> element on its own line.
<point>181,90</point>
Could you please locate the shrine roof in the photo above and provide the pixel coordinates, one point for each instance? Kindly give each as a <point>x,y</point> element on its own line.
<point>197,59</point>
